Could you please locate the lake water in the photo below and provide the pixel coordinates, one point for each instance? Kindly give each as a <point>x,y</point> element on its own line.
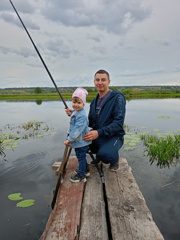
<point>27,168</point>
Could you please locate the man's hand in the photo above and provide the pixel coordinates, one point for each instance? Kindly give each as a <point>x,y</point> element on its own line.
<point>91,135</point>
<point>67,143</point>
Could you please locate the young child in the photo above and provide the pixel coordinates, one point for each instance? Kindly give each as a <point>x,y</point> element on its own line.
<point>78,128</point>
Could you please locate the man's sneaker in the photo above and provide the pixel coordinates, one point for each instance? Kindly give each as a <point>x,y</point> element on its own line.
<point>114,166</point>
<point>87,173</point>
<point>78,178</point>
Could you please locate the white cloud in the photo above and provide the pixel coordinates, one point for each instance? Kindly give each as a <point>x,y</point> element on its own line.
<point>115,17</point>
<point>22,52</point>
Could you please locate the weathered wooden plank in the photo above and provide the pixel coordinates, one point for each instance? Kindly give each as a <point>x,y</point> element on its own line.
<point>129,215</point>
<point>56,165</point>
<point>93,218</point>
<point>64,220</point>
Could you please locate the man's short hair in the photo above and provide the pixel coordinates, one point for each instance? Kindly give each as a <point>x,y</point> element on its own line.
<point>101,71</point>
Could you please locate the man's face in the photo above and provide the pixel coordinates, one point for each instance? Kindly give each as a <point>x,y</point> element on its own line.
<point>101,82</point>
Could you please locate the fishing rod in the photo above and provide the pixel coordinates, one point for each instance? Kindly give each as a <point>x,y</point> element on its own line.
<point>97,166</point>
<point>39,55</point>
<point>100,172</point>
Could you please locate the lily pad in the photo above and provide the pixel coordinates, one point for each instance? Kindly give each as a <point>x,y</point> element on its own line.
<point>131,140</point>
<point>176,130</point>
<point>145,132</point>
<point>15,196</point>
<point>156,130</point>
<point>129,133</point>
<point>132,144</point>
<point>135,139</point>
<point>26,203</point>
<point>129,148</point>
<point>161,134</point>
<point>164,117</point>
<point>126,141</point>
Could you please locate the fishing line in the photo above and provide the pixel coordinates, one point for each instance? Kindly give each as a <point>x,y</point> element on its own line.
<point>39,55</point>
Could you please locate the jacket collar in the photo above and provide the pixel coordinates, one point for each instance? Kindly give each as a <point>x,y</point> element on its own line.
<point>110,96</point>
<point>76,113</point>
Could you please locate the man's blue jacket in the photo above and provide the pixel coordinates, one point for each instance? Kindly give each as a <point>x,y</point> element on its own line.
<point>111,118</point>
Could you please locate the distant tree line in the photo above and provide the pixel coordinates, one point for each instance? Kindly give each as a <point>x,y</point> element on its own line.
<point>128,91</point>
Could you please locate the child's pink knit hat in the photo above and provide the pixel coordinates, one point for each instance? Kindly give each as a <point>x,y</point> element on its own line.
<point>80,93</point>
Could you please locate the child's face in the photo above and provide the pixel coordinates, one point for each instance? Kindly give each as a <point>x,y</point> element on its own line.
<point>77,104</point>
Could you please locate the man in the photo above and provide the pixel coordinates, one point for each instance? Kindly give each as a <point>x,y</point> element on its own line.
<point>106,118</point>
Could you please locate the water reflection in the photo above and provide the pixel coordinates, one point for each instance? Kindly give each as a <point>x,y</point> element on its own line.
<point>168,217</point>
<point>39,102</point>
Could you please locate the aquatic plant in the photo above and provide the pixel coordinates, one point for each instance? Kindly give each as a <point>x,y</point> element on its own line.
<point>131,140</point>
<point>23,203</point>
<point>32,129</point>
<point>164,149</point>
<point>127,127</point>
<point>15,196</point>
<point>26,203</point>
<point>164,117</point>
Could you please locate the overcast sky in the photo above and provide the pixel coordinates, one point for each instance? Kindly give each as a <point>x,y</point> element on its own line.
<point>136,41</point>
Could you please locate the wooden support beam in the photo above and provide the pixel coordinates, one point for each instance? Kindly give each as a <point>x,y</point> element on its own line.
<point>56,165</point>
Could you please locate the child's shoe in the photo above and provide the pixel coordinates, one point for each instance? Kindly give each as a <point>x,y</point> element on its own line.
<point>87,173</point>
<point>78,178</point>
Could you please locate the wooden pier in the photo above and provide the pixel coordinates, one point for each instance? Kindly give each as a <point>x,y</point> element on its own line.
<point>114,210</point>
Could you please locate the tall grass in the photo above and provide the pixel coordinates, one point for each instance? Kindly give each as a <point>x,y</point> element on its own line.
<point>164,150</point>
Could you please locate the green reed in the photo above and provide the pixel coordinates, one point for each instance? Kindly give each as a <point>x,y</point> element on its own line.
<point>164,150</point>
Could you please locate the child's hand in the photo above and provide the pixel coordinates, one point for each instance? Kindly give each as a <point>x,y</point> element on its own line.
<point>68,111</point>
<point>67,143</point>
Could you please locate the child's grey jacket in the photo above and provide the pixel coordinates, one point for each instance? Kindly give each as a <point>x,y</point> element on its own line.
<point>78,128</point>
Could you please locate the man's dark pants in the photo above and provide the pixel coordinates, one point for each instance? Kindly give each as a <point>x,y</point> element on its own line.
<point>107,148</point>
